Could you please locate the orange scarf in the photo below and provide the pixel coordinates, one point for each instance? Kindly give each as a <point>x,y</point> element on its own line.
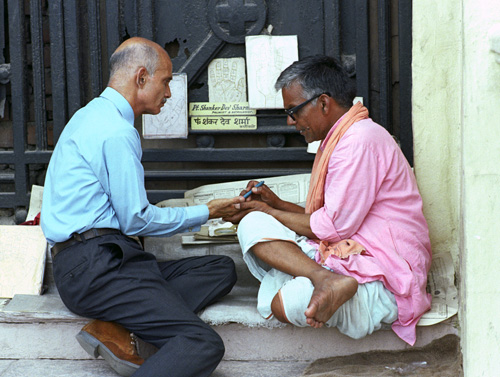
<point>316,194</point>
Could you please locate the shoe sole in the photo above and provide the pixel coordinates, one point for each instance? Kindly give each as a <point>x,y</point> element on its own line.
<point>95,348</point>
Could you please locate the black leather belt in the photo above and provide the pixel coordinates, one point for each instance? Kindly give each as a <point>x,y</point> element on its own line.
<point>81,237</point>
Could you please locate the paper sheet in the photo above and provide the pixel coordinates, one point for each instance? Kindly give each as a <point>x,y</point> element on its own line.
<point>22,260</point>
<point>441,285</point>
<point>292,188</point>
<point>267,57</point>
<point>172,121</point>
<point>35,202</point>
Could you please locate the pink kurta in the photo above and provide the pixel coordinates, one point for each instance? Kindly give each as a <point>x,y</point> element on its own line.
<point>371,197</point>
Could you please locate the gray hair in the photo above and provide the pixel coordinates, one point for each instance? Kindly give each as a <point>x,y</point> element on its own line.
<point>132,57</point>
<point>317,75</point>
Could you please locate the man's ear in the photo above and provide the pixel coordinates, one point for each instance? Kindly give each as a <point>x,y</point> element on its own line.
<point>141,77</point>
<point>325,103</point>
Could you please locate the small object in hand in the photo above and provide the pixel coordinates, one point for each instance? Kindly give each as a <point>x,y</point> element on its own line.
<point>250,191</point>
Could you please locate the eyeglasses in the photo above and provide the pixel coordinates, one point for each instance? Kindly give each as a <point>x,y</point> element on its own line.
<point>294,109</point>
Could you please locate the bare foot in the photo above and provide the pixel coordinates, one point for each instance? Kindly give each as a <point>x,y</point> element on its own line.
<point>331,291</point>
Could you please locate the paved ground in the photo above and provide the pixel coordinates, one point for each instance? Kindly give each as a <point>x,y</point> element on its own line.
<point>99,368</point>
<point>441,358</point>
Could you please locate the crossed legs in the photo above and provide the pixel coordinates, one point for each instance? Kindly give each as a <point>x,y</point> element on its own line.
<point>331,290</point>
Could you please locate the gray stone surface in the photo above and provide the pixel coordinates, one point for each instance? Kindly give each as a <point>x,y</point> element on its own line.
<point>260,369</point>
<point>58,368</point>
<point>48,307</point>
<point>99,368</point>
<point>57,340</point>
<point>4,364</point>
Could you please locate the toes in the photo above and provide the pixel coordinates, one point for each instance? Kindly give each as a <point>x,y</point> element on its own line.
<point>312,309</point>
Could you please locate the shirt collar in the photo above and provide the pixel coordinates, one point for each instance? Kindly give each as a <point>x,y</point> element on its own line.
<point>323,143</point>
<point>120,102</point>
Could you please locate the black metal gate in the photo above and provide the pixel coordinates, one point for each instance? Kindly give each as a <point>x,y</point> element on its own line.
<point>57,53</point>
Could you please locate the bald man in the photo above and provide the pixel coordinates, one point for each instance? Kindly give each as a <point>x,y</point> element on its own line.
<point>94,199</point>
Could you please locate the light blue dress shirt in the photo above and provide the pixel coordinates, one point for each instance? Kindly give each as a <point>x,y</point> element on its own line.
<point>95,178</point>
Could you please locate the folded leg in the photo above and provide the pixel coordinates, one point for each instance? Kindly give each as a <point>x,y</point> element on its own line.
<point>371,307</point>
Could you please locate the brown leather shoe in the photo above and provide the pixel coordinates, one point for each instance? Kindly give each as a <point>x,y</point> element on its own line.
<point>114,343</point>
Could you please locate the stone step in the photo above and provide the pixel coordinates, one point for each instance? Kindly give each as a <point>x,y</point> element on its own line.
<point>41,327</point>
<point>35,327</point>
<point>100,368</point>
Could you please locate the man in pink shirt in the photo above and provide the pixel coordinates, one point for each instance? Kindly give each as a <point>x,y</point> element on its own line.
<point>358,255</point>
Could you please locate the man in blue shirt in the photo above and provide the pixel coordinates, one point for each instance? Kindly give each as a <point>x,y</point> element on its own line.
<point>94,198</point>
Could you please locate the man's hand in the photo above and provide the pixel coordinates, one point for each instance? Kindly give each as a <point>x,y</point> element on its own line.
<point>266,195</point>
<point>224,207</point>
<point>246,207</point>
<point>263,194</point>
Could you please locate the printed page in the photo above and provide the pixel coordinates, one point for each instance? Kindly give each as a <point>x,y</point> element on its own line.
<point>292,188</point>
<point>441,285</point>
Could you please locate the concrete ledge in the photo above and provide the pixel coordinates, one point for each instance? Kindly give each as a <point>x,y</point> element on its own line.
<point>307,343</point>
<point>56,340</point>
<point>41,327</point>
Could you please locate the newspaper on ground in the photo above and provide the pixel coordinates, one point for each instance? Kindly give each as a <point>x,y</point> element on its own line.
<point>441,285</point>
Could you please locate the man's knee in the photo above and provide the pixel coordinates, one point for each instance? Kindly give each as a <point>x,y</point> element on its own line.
<point>278,309</point>
<point>253,224</point>
<point>295,296</point>
<point>250,219</point>
<point>210,345</point>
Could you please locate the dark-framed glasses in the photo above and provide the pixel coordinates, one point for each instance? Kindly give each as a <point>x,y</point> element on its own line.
<point>294,109</point>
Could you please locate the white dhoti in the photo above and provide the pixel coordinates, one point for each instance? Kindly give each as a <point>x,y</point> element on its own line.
<point>364,313</point>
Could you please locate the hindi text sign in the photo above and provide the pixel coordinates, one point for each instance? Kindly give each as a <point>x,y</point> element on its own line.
<point>222,116</point>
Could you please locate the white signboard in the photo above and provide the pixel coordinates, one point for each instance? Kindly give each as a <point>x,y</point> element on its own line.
<point>172,121</point>
<point>227,80</point>
<point>267,57</point>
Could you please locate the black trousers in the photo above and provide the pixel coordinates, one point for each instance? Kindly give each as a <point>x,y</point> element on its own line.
<point>112,279</point>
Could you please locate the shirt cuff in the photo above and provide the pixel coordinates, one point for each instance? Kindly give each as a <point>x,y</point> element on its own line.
<point>322,226</point>
<point>196,216</point>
